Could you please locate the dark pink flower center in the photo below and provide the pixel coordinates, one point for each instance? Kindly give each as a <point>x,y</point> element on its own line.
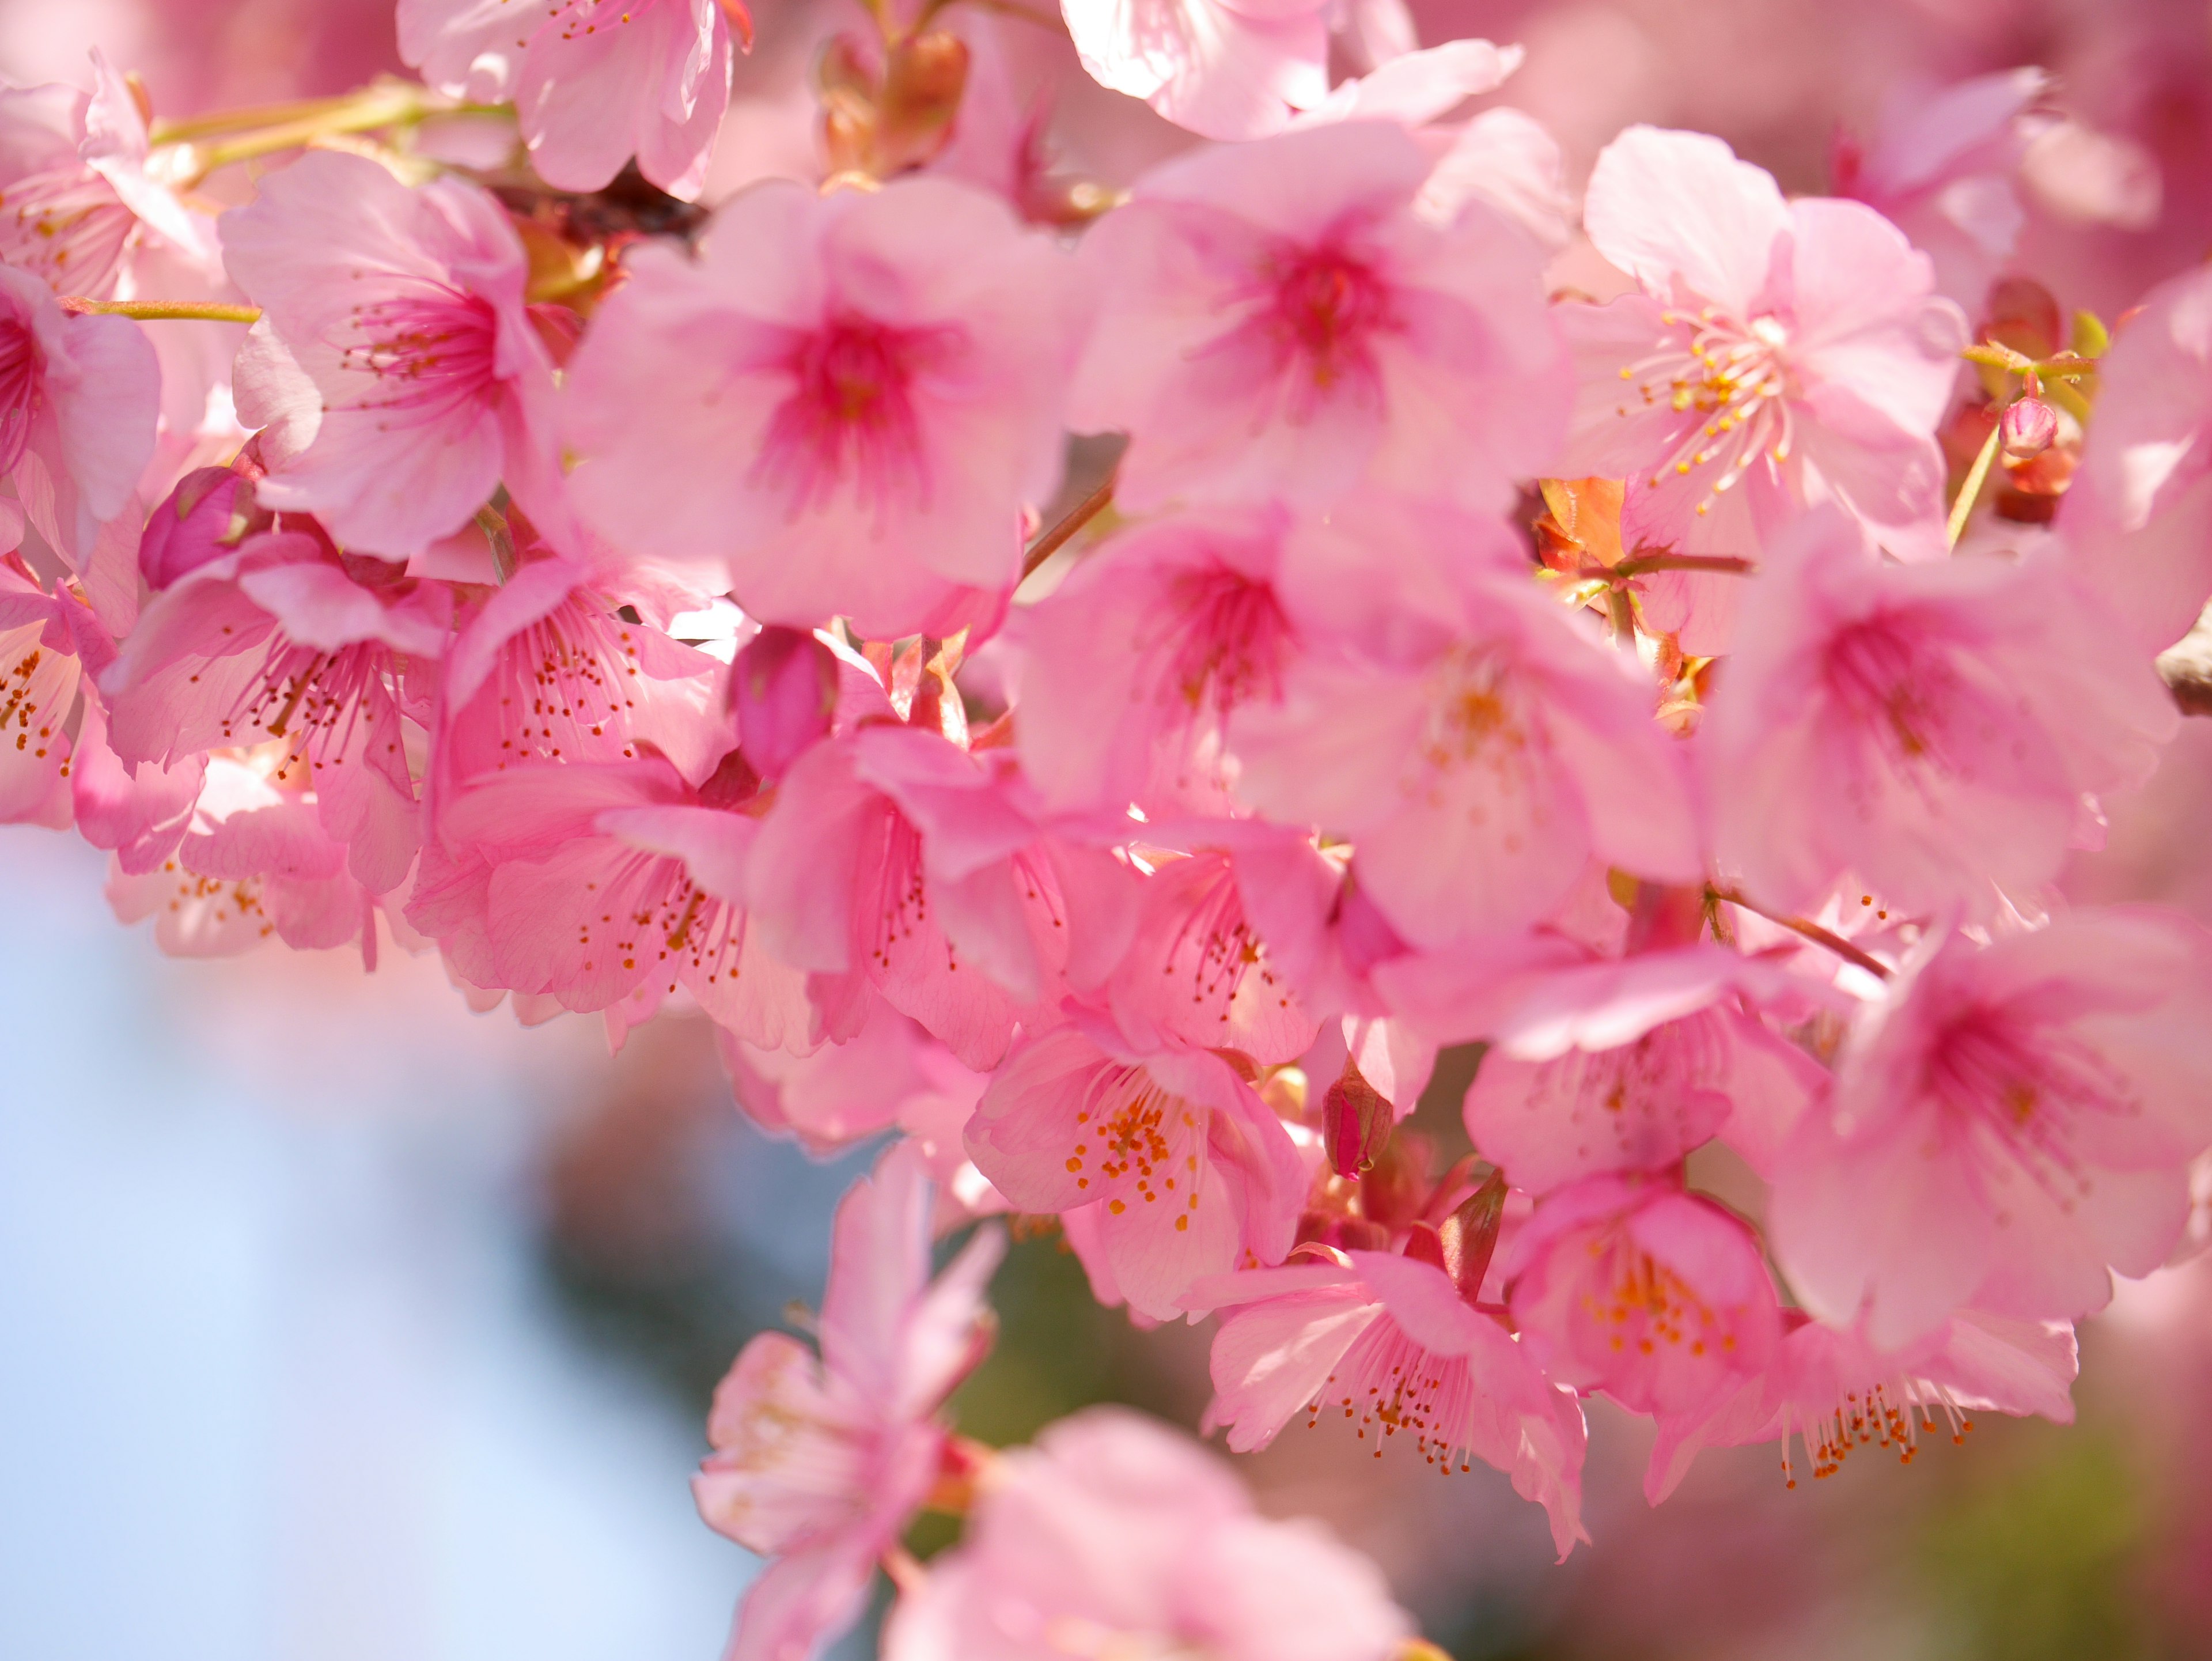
<point>430,352</point>
<point>2029,1088</point>
<point>19,389</point>
<point>851,413</point>
<point>1327,307</point>
<point>1898,690</point>
<point>1224,638</point>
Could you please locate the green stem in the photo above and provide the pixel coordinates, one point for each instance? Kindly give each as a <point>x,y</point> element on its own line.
<point>1970,491</point>
<point>159,310</point>
<point>380,107</point>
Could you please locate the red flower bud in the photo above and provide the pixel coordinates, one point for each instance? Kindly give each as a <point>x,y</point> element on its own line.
<point>1356,1118</point>
<point>783,689</point>
<point>2029,426</point>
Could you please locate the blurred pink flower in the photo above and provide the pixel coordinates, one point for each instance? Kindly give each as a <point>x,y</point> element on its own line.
<point>2016,1121</point>
<point>1276,322</point>
<point>1937,732</point>
<point>1391,1341</point>
<point>1835,1393</point>
<point>394,354</point>
<point>593,81</point>
<point>1659,1298</point>
<point>1111,1536</point>
<point>1224,71</point>
<point>40,667</point>
<point>820,1464</point>
<point>1794,349</point>
<point>888,366</point>
<point>1185,1171</point>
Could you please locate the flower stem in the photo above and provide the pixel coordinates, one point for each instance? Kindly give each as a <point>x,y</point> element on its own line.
<point>158,311</point>
<point>386,104</point>
<point>1062,533</point>
<point>1970,491</point>
<point>1812,931</point>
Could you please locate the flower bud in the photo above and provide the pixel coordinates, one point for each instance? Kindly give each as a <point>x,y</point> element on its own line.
<point>2029,425</point>
<point>783,689</point>
<point>204,518</point>
<point>1355,1118</point>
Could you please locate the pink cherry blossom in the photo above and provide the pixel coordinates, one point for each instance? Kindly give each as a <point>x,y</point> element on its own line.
<point>886,369</point>
<point>1835,1394</point>
<point>1658,1297</point>
<point>594,82</point>
<point>1223,71</point>
<point>1779,353</point>
<point>282,640</point>
<point>1111,1536</point>
<point>1477,770</point>
<point>78,399</point>
<point>820,1463</point>
<point>2138,519</point>
<point>396,349</point>
<point>893,861</point>
<point>1931,729</point>
<point>139,812</point>
<point>40,667</point>
<point>2013,1123</point>
<point>1276,322</point>
<point>1186,1171</point>
<point>1388,1341</point>
<point>1941,169</point>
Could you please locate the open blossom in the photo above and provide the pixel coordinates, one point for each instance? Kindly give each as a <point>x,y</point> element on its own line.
<point>1387,1341</point>
<point>593,81</point>
<point>1186,1171</point>
<point>1779,353</point>
<point>1658,1297</point>
<point>1277,322</point>
<point>1835,1394</point>
<point>2014,1122</point>
<point>1478,770</point>
<point>280,641</point>
<point>1931,729</point>
<point>40,667</point>
<point>1223,71</point>
<point>1111,1536</point>
<point>2138,519</point>
<point>820,1463</point>
<point>394,352</point>
<point>78,397</point>
<point>844,402</point>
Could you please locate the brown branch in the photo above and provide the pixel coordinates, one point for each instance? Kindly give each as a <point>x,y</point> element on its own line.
<point>1052,541</point>
<point>1812,931</point>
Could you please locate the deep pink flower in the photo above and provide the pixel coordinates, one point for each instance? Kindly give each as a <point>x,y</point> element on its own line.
<point>2016,1122</point>
<point>1931,730</point>
<point>1186,1171</point>
<point>394,352</point>
<point>593,81</point>
<point>1835,1395</point>
<point>1658,1297</point>
<point>1277,322</point>
<point>843,405</point>
<point>1477,770</point>
<point>1390,1342</point>
<point>280,639</point>
<point>820,1463</point>
<point>1779,353</point>
<point>78,400</point>
<point>1112,1537</point>
<point>2138,519</point>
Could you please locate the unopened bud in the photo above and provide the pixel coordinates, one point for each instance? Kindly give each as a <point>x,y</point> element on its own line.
<point>783,689</point>
<point>2029,425</point>
<point>204,518</point>
<point>1469,1236</point>
<point>1356,1118</point>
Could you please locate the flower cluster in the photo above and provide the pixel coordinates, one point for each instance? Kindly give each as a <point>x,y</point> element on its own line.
<point>1692,698</point>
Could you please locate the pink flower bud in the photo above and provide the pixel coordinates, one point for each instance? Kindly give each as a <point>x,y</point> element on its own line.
<point>783,688</point>
<point>2029,425</point>
<point>204,518</point>
<point>1355,1118</point>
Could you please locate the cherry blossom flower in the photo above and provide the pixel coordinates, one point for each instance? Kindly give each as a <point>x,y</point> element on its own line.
<point>139,812</point>
<point>892,364</point>
<point>2138,519</point>
<point>1276,322</point>
<point>1779,353</point>
<point>1224,72</point>
<point>1835,1394</point>
<point>593,81</point>
<point>1658,1297</point>
<point>41,644</point>
<point>394,352</point>
<point>1477,770</point>
<point>1931,729</point>
<point>2015,1121</point>
<point>78,398</point>
<point>1390,1342</point>
<point>821,1463</point>
<point>1111,1536</point>
<point>281,640</point>
<point>1186,1171</point>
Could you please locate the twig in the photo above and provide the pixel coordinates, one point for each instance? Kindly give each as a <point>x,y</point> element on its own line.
<point>1052,541</point>
<point>1812,931</point>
